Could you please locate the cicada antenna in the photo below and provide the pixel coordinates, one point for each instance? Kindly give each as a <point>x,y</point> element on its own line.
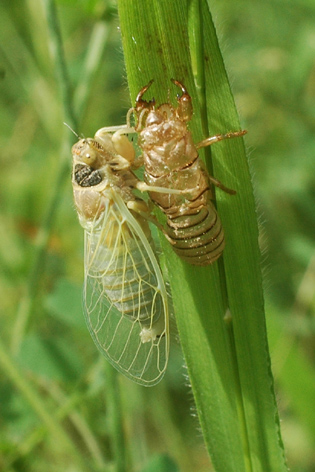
<point>68,126</point>
<point>131,112</point>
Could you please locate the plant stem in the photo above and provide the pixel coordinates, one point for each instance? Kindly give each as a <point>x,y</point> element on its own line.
<point>59,62</point>
<point>115,417</point>
<point>98,41</point>
<point>28,300</point>
<point>195,30</point>
<point>196,42</point>
<point>238,395</point>
<point>95,50</point>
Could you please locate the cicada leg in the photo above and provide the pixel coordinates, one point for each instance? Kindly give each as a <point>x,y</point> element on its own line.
<point>220,185</point>
<point>116,136</point>
<point>143,187</point>
<point>120,129</point>
<point>219,137</point>
<point>143,210</point>
<point>214,139</point>
<point>140,103</point>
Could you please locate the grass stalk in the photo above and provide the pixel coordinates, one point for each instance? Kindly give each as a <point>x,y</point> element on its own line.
<point>56,46</point>
<point>66,408</point>
<point>37,404</point>
<point>196,48</point>
<point>196,45</point>
<point>114,412</point>
<point>28,300</point>
<point>95,50</point>
<point>97,44</point>
<point>228,365</point>
<point>25,310</point>
<point>27,303</point>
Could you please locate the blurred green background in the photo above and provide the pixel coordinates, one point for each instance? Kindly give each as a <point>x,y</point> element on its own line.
<point>269,50</point>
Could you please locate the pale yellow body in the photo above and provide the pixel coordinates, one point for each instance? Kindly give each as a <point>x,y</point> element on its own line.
<point>125,299</point>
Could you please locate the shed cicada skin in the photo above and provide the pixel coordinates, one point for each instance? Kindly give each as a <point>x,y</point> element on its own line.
<point>125,299</point>
<point>172,162</point>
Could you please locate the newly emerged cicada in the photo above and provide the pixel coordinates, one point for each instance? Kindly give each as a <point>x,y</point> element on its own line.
<point>125,299</point>
<point>171,161</point>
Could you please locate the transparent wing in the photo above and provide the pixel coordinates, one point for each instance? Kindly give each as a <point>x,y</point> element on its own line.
<point>125,298</point>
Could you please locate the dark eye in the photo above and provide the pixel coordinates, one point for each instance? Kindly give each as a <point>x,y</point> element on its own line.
<point>85,176</point>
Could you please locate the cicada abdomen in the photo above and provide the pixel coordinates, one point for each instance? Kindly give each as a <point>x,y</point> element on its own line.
<point>125,299</point>
<point>171,161</point>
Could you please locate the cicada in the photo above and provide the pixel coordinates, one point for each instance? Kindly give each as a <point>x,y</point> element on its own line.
<point>125,298</point>
<point>172,162</point>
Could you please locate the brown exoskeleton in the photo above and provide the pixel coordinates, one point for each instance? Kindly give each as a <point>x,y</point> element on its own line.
<point>171,162</point>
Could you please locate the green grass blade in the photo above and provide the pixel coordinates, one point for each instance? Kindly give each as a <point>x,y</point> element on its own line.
<point>27,302</point>
<point>26,308</point>
<point>93,59</point>
<point>228,363</point>
<point>115,419</point>
<point>39,406</point>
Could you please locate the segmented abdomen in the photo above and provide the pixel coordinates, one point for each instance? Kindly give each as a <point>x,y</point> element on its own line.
<point>171,161</point>
<point>199,238</point>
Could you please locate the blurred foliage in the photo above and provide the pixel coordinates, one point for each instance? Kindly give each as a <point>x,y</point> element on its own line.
<point>269,52</point>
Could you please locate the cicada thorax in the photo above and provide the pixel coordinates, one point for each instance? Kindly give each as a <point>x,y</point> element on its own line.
<point>171,161</point>
<point>97,167</point>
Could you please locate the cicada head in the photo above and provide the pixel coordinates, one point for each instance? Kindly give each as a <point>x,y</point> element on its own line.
<point>87,151</point>
<point>160,115</point>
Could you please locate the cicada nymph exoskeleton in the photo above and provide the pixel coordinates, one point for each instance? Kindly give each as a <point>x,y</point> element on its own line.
<point>171,161</point>
<point>125,299</point>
